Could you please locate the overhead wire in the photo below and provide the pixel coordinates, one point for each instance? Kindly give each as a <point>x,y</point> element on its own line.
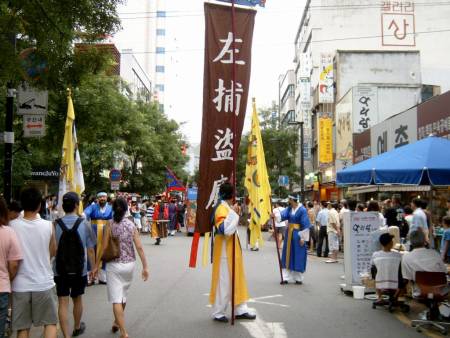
<point>312,41</point>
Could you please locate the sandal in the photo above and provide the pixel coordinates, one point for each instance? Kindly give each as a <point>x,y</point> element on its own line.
<point>114,328</point>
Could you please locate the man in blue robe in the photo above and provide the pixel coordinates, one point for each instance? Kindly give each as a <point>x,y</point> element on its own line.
<point>295,252</point>
<point>99,215</point>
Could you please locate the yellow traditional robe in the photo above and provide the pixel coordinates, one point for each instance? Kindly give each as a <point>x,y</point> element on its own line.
<point>241,292</point>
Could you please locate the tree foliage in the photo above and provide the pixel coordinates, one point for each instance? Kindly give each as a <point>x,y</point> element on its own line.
<point>111,129</point>
<point>51,27</point>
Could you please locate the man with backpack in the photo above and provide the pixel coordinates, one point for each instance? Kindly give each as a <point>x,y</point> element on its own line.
<point>75,244</point>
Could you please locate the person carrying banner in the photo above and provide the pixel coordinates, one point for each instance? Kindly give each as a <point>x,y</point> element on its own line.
<point>295,253</point>
<point>99,214</point>
<point>225,221</point>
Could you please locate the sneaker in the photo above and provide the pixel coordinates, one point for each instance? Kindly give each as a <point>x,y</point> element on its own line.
<point>80,331</point>
<point>331,261</point>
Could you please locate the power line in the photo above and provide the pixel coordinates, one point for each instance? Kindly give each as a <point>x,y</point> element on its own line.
<point>313,41</point>
<point>181,14</point>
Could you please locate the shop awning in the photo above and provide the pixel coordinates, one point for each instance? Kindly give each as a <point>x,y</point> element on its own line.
<point>425,162</point>
<point>388,188</point>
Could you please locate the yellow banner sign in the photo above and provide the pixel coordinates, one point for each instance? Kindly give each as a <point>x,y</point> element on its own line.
<point>325,140</point>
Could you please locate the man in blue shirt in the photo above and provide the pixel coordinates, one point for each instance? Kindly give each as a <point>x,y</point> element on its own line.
<point>70,284</point>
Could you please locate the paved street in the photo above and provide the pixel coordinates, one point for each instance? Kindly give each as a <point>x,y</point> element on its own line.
<point>174,302</point>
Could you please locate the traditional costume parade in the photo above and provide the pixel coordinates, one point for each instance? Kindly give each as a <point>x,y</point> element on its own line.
<point>294,249</point>
<point>226,221</point>
<point>99,214</point>
<point>159,223</point>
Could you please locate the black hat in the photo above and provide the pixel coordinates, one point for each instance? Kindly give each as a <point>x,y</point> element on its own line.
<point>71,197</point>
<point>386,238</point>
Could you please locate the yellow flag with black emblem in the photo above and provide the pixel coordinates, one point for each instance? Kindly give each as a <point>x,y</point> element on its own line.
<point>257,182</point>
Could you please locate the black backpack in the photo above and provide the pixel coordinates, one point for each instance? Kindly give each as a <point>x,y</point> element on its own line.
<point>70,256</point>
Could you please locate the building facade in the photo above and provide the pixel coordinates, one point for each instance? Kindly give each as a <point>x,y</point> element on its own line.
<point>138,85</point>
<point>383,51</point>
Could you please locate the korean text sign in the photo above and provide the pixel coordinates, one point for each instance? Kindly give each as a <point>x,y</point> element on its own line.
<point>224,101</point>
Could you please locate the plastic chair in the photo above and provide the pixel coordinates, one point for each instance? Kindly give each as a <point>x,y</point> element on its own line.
<point>433,291</point>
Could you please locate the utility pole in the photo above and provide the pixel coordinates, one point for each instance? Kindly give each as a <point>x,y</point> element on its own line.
<point>9,133</point>
<point>9,141</point>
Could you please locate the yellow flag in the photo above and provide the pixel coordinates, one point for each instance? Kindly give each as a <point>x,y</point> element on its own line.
<point>257,181</point>
<point>71,173</point>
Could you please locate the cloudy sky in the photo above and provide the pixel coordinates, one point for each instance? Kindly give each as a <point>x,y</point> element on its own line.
<point>273,52</point>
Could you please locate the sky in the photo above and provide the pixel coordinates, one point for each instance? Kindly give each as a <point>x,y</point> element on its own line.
<point>273,52</point>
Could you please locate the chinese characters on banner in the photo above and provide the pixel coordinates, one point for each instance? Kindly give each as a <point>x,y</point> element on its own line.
<point>365,108</point>
<point>325,139</point>
<point>326,79</point>
<point>398,23</point>
<point>223,101</point>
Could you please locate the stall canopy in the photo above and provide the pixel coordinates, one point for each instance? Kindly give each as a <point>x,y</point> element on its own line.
<point>426,162</point>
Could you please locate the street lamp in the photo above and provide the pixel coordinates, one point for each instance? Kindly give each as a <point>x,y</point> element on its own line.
<point>302,159</point>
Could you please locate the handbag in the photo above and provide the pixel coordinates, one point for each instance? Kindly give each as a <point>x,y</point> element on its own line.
<point>112,249</point>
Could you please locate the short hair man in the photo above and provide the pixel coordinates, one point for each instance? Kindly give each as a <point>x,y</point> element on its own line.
<point>421,258</point>
<point>333,232</point>
<point>419,221</point>
<point>322,222</point>
<point>72,284</point>
<point>34,298</point>
<point>386,266</point>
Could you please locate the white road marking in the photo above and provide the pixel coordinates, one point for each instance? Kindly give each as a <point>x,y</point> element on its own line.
<point>261,329</point>
<point>259,300</point>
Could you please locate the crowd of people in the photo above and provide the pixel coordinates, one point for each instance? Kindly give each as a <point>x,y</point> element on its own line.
<point>45,259</point>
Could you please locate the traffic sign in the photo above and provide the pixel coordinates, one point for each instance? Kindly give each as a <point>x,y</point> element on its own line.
<point>115,175</point>
<point>31,101</point>
<point>33,125</point>
<point>115,185</point>
<point>283,181</point>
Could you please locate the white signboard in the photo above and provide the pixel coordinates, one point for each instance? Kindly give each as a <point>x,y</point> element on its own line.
<point>359,228</point>
<point>305,65</point>
<point>305,93</point>
<point>365,108</point>
<point>395,132</point>
<point>326,79</point>
<point>33,125</point>
<point>31,101</point>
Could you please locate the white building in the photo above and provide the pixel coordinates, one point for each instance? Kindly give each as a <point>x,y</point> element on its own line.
<point>138,84</point>
<point>329,25</point>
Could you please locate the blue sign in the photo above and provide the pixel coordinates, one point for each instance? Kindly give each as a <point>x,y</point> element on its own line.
<point>252,3</point>
<point>115,175</point>
<point>283,180</point>
<point>192,194</point>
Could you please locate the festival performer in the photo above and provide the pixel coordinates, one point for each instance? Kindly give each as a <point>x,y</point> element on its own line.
<point>295,252</point>
<point>99,214</point>
<point>225,221</point>
<point>160,213</point>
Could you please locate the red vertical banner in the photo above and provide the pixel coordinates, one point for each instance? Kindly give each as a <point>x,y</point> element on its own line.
<point>224,101</point>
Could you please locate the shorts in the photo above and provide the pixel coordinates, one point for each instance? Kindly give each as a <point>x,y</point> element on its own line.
<point>39,308</point>
<point>72,286</point>
<point>281,230</point>
<point>333,241</point>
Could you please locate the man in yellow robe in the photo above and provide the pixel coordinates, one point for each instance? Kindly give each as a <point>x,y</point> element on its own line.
<point>226,222</point>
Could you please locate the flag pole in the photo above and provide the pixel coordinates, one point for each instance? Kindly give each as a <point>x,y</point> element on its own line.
<point>276,243</point>
<point>235,151</point>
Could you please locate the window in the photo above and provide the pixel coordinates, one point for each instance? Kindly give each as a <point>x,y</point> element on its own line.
<point>160,69</point>
<point>161,14</point>
<point>159,87</point>
<point>160,32</point>
<point>160,50</point>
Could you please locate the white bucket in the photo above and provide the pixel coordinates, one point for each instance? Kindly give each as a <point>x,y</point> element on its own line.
<point>358,291</point>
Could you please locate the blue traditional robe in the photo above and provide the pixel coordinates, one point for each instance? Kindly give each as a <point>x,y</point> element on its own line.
<point>98,220</point>
<point>294,255</point>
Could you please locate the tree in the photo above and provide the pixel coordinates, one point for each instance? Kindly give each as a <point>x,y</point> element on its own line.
<point>49,28</point>
<point>280,147</point>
